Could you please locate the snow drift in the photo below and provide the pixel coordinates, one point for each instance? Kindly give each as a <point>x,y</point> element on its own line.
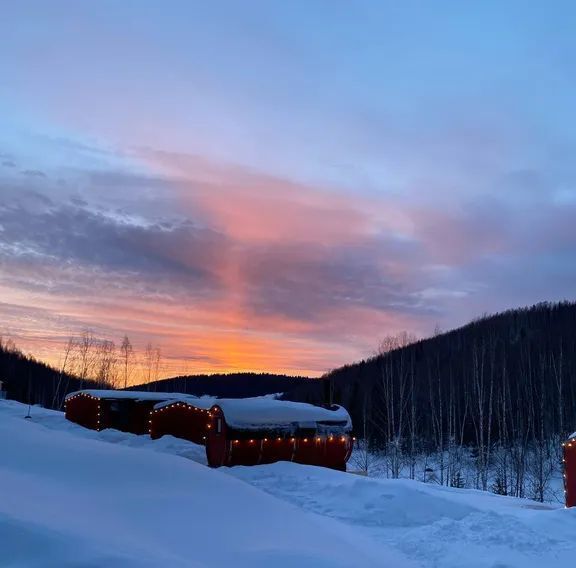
<point>74,500</point>
<point>76,497</point>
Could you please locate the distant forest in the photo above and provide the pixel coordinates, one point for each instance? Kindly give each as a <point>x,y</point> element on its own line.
<point>501,389</point>
<point>230,385</point>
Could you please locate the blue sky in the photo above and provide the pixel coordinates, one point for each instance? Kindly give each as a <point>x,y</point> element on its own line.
<point>352,169</point>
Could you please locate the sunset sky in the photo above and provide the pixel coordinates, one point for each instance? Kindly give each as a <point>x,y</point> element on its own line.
<point>277,185</point>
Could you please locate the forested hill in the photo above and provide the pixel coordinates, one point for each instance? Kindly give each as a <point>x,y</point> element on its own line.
<point>232,385</point>
<point>505,383</point>
<point>30,381</point>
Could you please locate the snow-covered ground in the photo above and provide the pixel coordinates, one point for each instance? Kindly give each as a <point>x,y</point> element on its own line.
<point>71,497</point>
<point>427,467</point>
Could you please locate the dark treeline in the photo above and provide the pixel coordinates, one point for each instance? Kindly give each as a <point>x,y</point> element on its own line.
<point>502,389</point>
<point>33,382</point>
<point>90,363</point>
<point>231,385</point>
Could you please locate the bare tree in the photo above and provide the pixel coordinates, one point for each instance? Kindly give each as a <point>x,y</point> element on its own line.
<point>392,414</point>
<point>362,454</point>
<point>127,357</point>
<point>149,358</point>
<point>86,356</point>
<point>68,350</point>
<point>157,360</point>
<point>106,364</point>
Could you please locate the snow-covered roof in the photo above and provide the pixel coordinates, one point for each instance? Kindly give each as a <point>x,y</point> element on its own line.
<point>205,402</point>
<point>255,413</point>
<point>132,395</point>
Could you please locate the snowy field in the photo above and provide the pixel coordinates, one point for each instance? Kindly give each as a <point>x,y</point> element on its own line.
<point>71,497</point>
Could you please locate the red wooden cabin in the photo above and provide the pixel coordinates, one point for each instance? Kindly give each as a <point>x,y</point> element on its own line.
<point>186,418</point>
<point>128,411</point>
<point>262,430</point>
<point>569,451</point>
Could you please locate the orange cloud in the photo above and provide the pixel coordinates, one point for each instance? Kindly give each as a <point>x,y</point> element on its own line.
<point>252,206</point>
<point>246,271</point>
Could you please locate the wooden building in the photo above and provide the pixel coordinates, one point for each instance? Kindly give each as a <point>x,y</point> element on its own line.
<point>128,411</point>
<point>187,418</point>
<point>569,459</point>
<point>262,430</point>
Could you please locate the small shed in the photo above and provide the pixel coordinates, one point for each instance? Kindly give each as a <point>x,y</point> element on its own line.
<point>569,459</point>
<point>187,418</point>
<point>263,430</point>
<point>128,411</point>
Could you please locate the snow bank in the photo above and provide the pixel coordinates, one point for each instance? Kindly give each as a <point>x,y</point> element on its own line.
<point>205,402</point>
<point>74,500</point>
<point>254,413</point>
<point>434,526</point>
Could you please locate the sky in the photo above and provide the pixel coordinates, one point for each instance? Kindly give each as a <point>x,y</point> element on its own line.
<point>277,186</point>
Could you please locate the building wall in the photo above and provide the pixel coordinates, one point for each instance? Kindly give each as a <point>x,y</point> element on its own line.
<point>229,447</point>
<point>84,410</point>
<point>124,414</point>
<point>181,420</point>
<point>570,472</point>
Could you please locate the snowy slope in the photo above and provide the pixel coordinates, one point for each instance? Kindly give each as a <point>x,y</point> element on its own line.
<point>82,498</point>
<point>69,499</point>
<point>432,525</point>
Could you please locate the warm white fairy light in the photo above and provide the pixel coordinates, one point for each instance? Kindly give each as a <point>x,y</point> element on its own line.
<point>319,437</point>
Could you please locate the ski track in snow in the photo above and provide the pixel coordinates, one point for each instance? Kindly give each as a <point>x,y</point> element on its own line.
<point>396,523</point>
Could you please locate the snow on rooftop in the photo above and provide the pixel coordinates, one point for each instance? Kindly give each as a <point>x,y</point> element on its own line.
<point>253,413</point>
<point>133,395</point>
<point>204,402</point>
<point>244,413</point>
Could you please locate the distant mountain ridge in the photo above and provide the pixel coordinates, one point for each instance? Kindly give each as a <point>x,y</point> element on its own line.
<point>30,381</point>
<point>233,385</point>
